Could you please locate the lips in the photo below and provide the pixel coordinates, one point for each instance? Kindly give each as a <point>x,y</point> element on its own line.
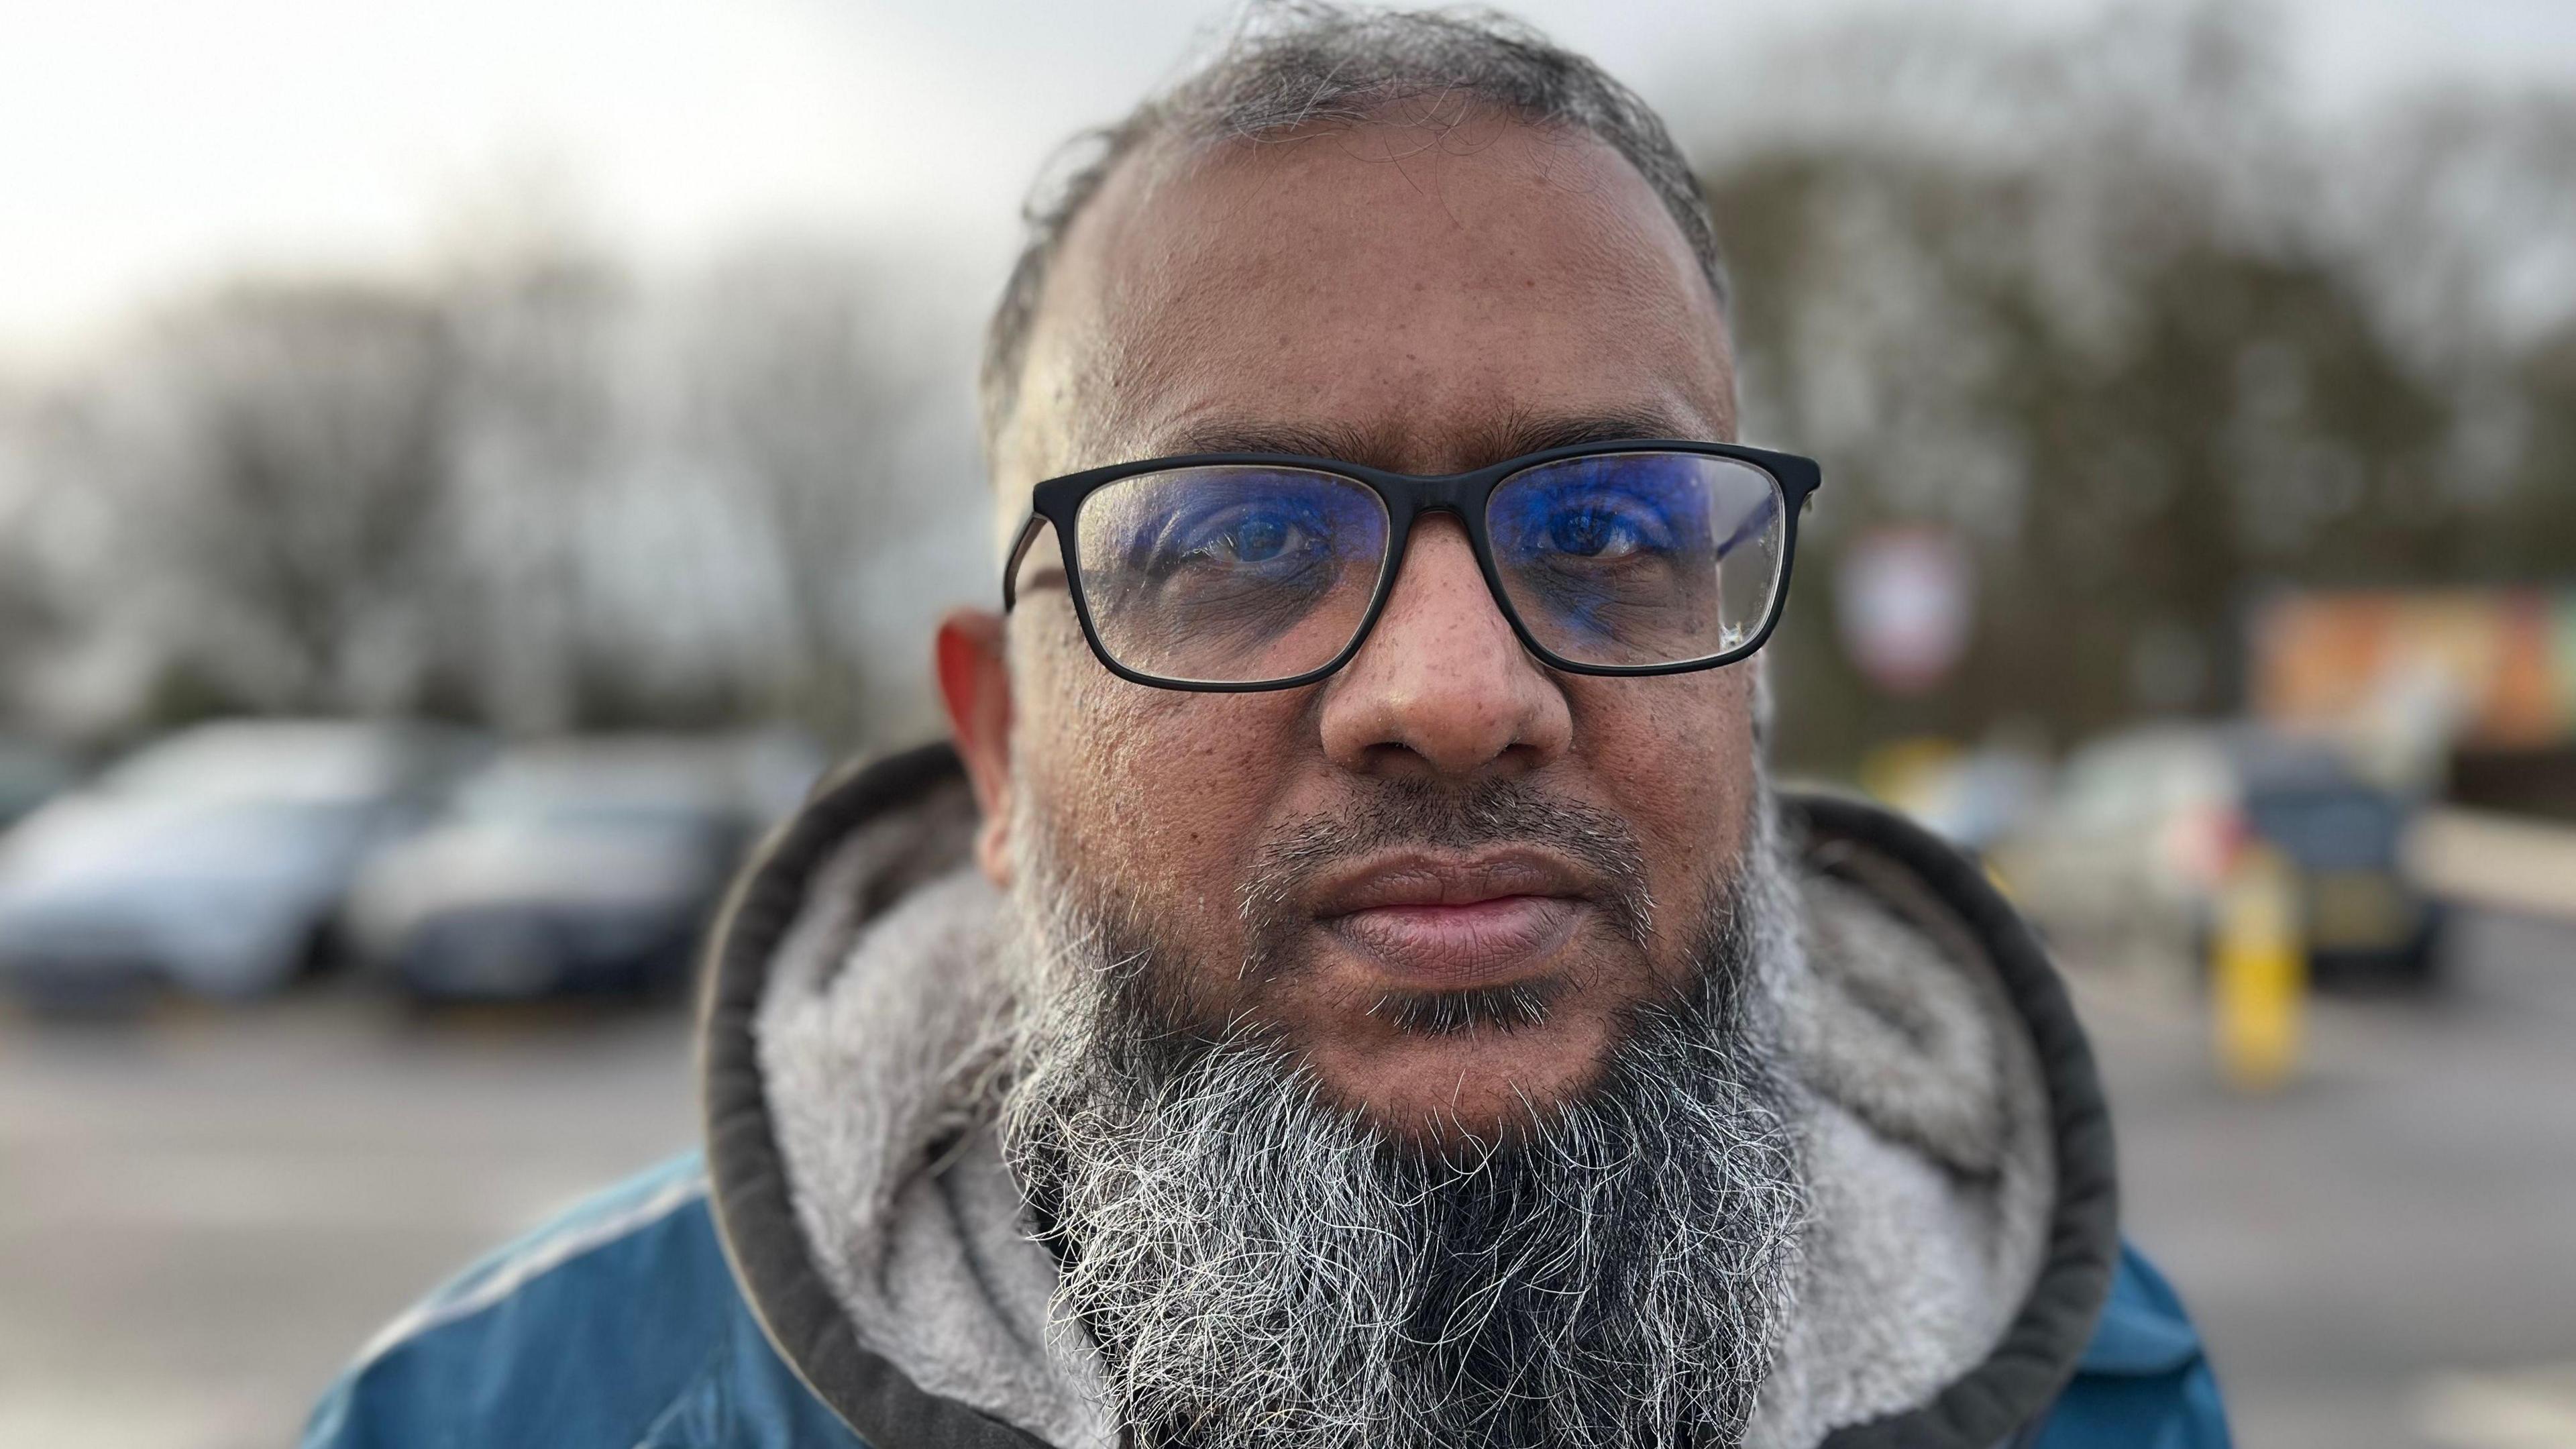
<point>1447,922</point>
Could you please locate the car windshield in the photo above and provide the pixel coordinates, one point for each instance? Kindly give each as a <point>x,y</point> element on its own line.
<point>580,813</point>
<point>2331,829</point>
<point>606,791</point>
<point>247,763</point>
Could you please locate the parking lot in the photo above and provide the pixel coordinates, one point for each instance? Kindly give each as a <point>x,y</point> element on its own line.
<point>2384,1254</point>
<point>202,1217</point>
<point>202,1213</point>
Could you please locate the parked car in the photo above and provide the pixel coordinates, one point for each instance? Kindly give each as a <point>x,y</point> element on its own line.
<point>2120,863</point>
<point>1972,798</point>
<point>570,866</point>
<point>2127,861</point>
<point>2360,913</point>
<point>214,860</point>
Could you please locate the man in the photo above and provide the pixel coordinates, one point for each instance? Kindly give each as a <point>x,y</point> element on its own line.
<point>1351,982</point>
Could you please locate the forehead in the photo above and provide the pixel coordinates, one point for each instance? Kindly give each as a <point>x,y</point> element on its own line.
<point>1423,300</point>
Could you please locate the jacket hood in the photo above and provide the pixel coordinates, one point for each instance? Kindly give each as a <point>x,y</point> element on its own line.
<point>1963,1232</point>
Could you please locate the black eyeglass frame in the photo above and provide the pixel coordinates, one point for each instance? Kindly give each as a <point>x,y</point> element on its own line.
<point>1057,503</point>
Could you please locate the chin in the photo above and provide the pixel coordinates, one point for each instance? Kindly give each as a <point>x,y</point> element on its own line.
<point>1479,1083</point>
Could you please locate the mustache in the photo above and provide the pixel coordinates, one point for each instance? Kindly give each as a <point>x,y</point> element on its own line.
<point>1486,814</point>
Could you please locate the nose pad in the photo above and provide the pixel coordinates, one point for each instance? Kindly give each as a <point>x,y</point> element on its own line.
<point>1442,686</point>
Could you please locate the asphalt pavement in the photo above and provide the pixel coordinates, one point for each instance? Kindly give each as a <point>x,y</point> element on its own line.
<point>2382,1255</point>
<point>202,1214</point>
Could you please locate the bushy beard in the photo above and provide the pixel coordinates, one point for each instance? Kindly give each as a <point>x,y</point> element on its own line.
<point>1261,1267</point>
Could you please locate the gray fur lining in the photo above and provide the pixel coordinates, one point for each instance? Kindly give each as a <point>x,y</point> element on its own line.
<point>1926,1134</point>
<point>1928,1157</point>
<point>875,1043</point>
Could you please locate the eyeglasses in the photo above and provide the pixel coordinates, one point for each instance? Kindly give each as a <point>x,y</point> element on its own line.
<point>1245,571</point>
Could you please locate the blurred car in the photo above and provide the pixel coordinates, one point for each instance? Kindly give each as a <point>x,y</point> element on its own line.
<point>1972,798</point>
<point>30,775</point>
<point>2127,860</point>
<point>214,860</point>
<point>2361,914</point>
<point>577,865</point>
<point>2119,862</point>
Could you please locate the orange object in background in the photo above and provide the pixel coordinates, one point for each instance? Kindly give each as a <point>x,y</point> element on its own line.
<point>2499,666</point>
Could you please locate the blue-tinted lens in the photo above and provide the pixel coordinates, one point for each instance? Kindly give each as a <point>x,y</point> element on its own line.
<point>1229,574</point>
<point>1628,559</point>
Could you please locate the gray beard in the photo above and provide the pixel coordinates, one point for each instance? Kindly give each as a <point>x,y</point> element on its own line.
<point>1260,1267</point>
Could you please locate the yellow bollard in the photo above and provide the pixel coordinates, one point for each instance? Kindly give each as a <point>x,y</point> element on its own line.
<point>2258,974</point>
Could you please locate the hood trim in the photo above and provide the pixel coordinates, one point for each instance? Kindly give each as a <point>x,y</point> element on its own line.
<point>747,1180</point>
<point>789,1297</point>
<point>2040,1351</point>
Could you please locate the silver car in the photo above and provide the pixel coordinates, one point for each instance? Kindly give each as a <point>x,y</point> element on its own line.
<point>213,861</point>
<point>30,774</point>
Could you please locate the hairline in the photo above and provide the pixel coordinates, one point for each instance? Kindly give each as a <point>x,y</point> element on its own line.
<point>1174,128</point>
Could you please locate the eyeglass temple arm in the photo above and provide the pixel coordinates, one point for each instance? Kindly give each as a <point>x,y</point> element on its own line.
<point>1019,552</point>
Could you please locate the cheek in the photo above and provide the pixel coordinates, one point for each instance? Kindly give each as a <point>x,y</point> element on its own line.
<point>1675,757</point>
<point>1161,794</point>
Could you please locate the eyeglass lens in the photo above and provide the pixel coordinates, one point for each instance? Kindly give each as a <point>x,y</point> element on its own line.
<point>1629,559</point>
<point>1239,574</point>
<point>1229,575</point>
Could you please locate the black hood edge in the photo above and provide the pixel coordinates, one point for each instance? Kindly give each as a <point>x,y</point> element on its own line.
<point>2030,1366</point>
<point>747,1179</point>
<point>765,1245</point>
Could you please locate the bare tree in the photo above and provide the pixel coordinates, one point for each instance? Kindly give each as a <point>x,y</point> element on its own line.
<point>833,407</point>
<point>2081,300</point>
<point>275,462</point>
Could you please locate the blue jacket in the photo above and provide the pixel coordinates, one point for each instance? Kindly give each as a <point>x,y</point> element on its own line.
<point>685,1307</point>
<point>621,1326</point>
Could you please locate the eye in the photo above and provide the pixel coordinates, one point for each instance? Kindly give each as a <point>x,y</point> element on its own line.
<point>1260,538</point>
<point>1601,527</point>
<point>1591,531</point>
<point>1259,533</point>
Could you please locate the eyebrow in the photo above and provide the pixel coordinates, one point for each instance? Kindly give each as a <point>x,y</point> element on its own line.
<point>1510,436</point>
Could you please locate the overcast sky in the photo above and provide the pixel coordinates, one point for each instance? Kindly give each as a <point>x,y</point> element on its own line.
<point>147,145</point>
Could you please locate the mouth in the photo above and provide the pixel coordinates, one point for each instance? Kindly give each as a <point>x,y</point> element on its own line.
<point>1429,922</point>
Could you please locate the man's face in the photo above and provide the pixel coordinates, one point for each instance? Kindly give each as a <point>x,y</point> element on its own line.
<point>1444,875</point>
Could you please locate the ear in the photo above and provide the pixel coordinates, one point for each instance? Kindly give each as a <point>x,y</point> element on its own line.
<point>975,685</point>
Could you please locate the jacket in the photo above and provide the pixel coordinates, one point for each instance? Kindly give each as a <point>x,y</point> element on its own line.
<point>825,1275</point>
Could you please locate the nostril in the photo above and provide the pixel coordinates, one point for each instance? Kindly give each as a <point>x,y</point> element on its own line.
<point>1456,712</point>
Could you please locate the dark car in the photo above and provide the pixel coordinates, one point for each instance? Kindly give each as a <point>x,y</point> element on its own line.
<point>2344,836</point>
<point>575,865</point>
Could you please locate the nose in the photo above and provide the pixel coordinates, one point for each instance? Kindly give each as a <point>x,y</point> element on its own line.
<point>1443,688</point>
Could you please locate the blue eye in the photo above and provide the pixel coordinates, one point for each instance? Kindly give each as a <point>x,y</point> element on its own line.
<point>1268,535</point>
<point>1247,534</point>
<point>1586,526</point>
<point>1592,531</point>
<point>1259,539</point>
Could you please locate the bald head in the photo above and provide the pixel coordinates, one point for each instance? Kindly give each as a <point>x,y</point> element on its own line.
<point>1422,297</point>
<point>1292,68</point>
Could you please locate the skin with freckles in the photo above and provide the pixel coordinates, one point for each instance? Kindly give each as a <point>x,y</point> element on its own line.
<point>1427,301</point>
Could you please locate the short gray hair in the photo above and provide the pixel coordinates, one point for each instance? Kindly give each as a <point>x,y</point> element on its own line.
<point>1289,64</point>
